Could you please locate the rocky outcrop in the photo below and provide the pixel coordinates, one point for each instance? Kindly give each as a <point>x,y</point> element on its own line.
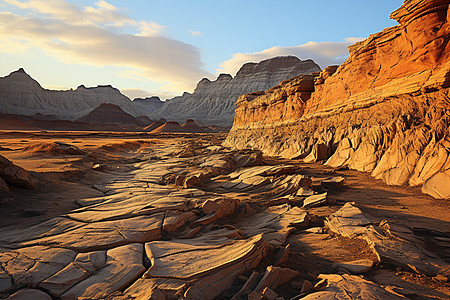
<point>20,94</point>
<point>213,102</point>
<point>385,110</point>
<point>107,113</point>
<point>15,175</point>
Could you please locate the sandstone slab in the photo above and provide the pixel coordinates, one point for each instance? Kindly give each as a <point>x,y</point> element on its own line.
<point>123,265</point>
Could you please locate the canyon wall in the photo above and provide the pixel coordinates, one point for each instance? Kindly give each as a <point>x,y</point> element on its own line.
<point>213,102</point>
<point>385,110</point>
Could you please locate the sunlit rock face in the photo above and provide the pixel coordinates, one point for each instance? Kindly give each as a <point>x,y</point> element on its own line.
<point>385,110</point>
<point>20,94</point>
<point>213,102</point>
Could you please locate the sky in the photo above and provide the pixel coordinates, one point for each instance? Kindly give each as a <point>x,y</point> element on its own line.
<point>164,48</point>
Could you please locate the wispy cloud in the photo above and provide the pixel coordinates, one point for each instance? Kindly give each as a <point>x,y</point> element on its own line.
<point>195,33</point>
<point>139,93</point>
<point>101,35</point>
<point>323,53</point>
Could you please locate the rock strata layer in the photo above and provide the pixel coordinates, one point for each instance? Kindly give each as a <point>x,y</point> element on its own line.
<point>385,110</point>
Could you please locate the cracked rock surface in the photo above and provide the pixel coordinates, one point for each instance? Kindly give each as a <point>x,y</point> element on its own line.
<point>250,227</point>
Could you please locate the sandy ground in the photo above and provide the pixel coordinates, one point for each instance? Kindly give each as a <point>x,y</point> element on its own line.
<point>69,177</point>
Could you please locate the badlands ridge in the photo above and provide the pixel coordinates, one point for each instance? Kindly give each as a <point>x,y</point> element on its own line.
<point>385,110</point>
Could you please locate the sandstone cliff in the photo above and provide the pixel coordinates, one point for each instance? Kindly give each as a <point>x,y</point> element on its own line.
<point>21,94</point>
<point>213,102</point>
<point>385,110</point>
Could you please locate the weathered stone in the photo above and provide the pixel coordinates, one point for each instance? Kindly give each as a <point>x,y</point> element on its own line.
<point>274,277</point>
<point>123,265</point>
<point>249,285</point>
<point>304,192</point>
<point>391,243</point>
<point>192,181</point>
<point>277,222</point>
<point>282,255</point>
<point>350,287</point>
<point>16,175</point>
<point>83,266</point>
<point>210,207</point>
<point>318,153</point>
<point>438,185</point>
<point>315,200</point>
<point>27,294</point>
<point>226,207</point>
<point>333,183</point>
<point>3,186</point>
<point>210,265</point>
<point>269,294</point>
<point>307,287</point>
<point>357,266</point>
<point>5,281</point>
<point>349,221</point>
<point>343,152</point>
<point>31,265</point>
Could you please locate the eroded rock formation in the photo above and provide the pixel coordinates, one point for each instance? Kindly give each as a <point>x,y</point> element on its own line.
<point>385,110</point>
<point>213,102</point>
<point>20,94</point>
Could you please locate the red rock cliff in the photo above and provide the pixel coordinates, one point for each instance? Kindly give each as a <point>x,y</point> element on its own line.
<point>385,110</point>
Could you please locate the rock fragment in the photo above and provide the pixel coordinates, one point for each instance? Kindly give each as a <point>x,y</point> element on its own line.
<point>391,243</point>
<point>123,265</point>
<point>16,175</point>
<point>28,294</point>
<point>350,287</point>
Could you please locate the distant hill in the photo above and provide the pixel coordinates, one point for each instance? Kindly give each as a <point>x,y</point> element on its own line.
<point>22,95</point>
<point>107,113</point>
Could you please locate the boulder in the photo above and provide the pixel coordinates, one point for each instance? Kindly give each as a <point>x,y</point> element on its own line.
<point>16,175</point>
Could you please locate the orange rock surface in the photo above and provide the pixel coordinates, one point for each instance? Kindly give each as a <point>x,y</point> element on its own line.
<point>385,110</point>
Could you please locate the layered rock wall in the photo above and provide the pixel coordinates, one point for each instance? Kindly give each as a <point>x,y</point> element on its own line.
<point>386,110</point>
<point>213,102</point>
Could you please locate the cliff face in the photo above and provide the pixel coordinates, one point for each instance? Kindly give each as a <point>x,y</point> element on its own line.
<point>386,110</point>
<point>21,94</point>
<point>213,102</point>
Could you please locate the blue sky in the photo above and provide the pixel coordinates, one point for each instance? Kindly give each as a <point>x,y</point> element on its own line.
<point>163,48</point>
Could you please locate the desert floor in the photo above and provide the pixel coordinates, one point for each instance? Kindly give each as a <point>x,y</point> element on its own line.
<point>156,190</point>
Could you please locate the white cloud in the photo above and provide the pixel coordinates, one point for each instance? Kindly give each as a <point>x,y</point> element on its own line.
<point>195,33</point>
<point>323,53</point>
<point>139,93</point>
<point>95,36</point>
